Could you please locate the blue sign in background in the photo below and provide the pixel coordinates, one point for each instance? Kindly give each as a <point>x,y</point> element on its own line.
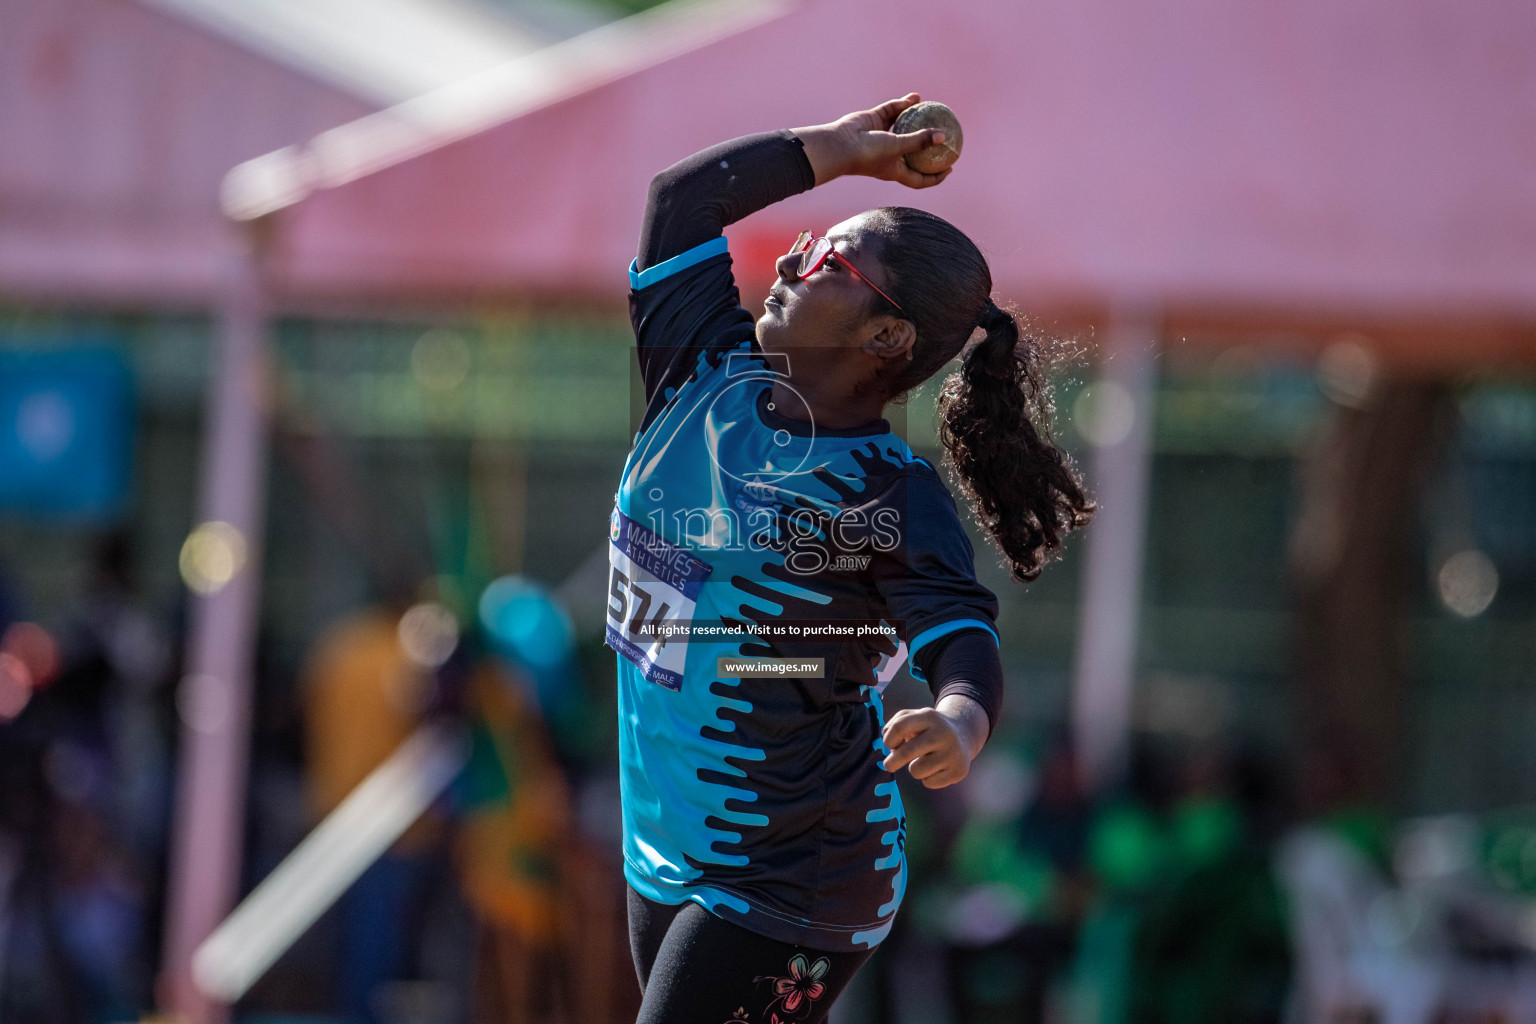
<point>66,433</point>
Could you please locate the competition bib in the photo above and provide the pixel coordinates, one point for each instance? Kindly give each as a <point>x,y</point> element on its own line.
<point>652,587</point>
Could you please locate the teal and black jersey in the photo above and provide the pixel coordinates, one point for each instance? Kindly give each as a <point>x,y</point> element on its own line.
<point>742,533</point>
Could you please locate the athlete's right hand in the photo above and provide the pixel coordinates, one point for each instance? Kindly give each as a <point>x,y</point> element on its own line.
<point>862,143</point>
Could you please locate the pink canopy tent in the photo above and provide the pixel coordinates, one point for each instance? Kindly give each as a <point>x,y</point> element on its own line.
<point>119,122</point>
<point>120,118</point>
<point>1364,165</point>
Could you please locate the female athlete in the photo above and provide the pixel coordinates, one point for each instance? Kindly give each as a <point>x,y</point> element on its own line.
<point>776,551</point>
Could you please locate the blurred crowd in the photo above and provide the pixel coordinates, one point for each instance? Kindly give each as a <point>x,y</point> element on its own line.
<point>462,918</point>
<point>1218,881</point>
<point>86,762</point>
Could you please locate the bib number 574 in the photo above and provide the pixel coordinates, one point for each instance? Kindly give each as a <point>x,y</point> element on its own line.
<point>627,595</point>
<point>653,586</point>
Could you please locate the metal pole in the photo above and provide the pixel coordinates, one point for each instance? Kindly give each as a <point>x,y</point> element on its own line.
<point>1118,476</point>
<point>222,563</point>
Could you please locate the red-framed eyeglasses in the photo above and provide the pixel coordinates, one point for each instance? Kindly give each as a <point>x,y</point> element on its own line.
<point>813,252</point>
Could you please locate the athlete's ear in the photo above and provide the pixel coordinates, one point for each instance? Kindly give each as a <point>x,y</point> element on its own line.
<point>893,338</point>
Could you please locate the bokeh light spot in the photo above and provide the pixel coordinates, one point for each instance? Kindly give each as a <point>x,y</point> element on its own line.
<point>523,622</point>
<point>1467,582</point>
<point>211,556</point>
<point>428,633</point>
<point>440,360</point>
<point>36,648</point>
<point>1347,371</point>
<point>15,686</point>
<point>1104,413</point>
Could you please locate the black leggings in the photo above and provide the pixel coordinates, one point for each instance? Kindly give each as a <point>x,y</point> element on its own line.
<point>695,968</point>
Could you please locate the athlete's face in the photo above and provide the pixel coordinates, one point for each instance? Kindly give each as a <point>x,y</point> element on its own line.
<point>830,319</point>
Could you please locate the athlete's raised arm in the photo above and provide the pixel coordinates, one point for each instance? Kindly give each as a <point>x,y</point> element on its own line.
<point>692,201</point>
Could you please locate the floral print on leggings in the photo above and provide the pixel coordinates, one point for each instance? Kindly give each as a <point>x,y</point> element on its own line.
<point>794,993</point>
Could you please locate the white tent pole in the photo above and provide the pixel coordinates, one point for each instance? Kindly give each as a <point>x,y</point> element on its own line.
<point>1118,472</point>
<point>214,699</point>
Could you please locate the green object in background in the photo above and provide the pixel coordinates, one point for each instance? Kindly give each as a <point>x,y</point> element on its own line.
<point>987,852</point>
<point>486,779</point>
<point>1368,829</point>
<point>1126,848</point>
<point>1188,926</point>
<point>1507,849</point>
<point>629,6</point>
<point>1099,989</point>
<point>1127,852</point>
<point>1205,830</point>
<point>1212,945</point>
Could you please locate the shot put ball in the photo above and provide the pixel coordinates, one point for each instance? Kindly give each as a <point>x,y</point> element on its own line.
<point>929,114</point>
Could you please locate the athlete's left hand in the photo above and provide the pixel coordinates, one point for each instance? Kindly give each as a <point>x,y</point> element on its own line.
<point>937,744</point>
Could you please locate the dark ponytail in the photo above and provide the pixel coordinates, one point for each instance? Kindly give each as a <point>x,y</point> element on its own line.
<point>994,423</point>
<point>995,412</point>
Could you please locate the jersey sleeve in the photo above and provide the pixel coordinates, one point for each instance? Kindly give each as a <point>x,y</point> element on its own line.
<point>928,576</point>
<point>683,300</point>
<point>682,309</point>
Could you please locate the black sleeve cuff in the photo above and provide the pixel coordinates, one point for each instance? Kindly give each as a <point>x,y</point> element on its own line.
<point>966,662</point>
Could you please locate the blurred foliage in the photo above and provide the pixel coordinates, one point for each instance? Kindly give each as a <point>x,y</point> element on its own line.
<point>627,6</point>
<point>524,378</point>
